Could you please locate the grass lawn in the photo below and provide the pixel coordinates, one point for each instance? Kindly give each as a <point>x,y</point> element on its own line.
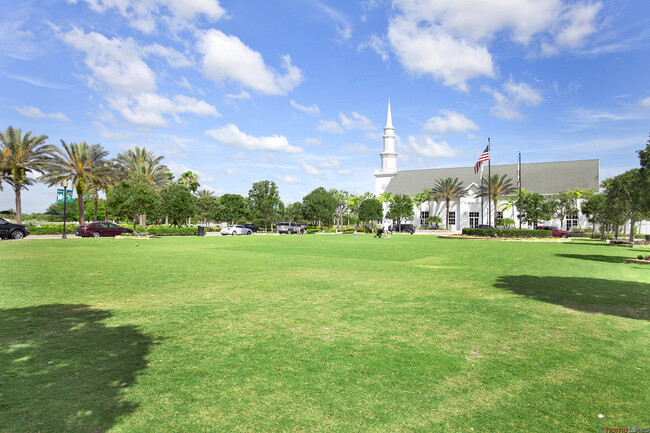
<point>315,333</point>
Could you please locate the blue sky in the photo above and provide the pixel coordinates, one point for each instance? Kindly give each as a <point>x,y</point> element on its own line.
<point>295,91</point>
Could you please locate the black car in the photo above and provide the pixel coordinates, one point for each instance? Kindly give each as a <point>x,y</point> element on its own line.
<point>403,228</point>
<point>252,227</point>
<point>9,230</point>
<point>485,226</point>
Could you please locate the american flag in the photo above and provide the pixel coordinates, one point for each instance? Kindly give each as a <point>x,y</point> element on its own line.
<point>485,156</point>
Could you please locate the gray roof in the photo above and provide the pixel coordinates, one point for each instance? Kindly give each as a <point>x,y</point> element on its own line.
<point>540,177</point>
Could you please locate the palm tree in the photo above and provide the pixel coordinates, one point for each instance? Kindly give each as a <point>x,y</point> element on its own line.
<point>80,164</point>
<point>21,155</point>
<point>420,198</point>
<point>386,197</point>
<point>191,180</point>
<point>204,193</point>
<point>499,185</point>
<point>448,189</point>
<point>143,161</point>
<point>111,176</point>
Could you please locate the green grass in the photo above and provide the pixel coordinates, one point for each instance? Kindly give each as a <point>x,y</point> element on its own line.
<point>321,332</point>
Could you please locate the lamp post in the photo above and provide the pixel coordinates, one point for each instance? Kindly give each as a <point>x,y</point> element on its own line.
<point>64,184</point>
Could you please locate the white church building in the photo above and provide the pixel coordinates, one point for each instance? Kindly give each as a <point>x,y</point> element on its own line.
<point>544,178</point>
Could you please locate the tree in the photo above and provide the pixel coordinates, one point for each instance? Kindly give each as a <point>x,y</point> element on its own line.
<point>448,189</point>
<point>644,160</point>
<point>594,209</point>
<point>191,180</point>
<point>371,209</point>
<point>626,192</point>
<point>563,203</point>
<point>144,162</point>
<point>354,201</point>
<point>177,202</point>
<point>79,164</point>
<point>319,205</point>
<point>293,211</point>
<point>233,208</point>
<point>534,208</point>
<point>420,198</point>
<point>111,175</point>
<point>207,206</point>
<point>400,208</point>
<point>21,155</point>
<point>262,197</point>
<point>434,220</point>
<point>499,185</point>
<point>135,195</point>
<point>341,205</point>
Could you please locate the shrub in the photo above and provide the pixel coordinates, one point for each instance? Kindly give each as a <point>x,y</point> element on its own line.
<point>640,257</point>
<point>310,231</point>
<point>510,233</point>
<point>52,229</point>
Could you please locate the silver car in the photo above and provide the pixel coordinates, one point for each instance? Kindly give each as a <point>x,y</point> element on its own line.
<point>236,230</point>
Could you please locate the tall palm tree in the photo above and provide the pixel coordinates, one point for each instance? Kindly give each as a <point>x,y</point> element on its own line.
<point>420,198</point>
<point>78,163</point>
<point>191,180</point>
<point>112,174</point>
<point>448,189</point>
<point>143,161</point>
<point>204,193</point>
<point>499,186</point>
<point>21,155</point>
<point>385,198</point>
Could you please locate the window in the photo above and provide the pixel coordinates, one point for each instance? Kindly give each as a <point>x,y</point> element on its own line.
<point>473,219</point>
<point>452,219</point>
<point>423,216</point>
<point>571,221</point>
<point>499,217</point>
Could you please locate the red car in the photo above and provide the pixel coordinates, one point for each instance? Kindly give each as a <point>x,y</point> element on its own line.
<point>101,229</point>
<point>557,233</point>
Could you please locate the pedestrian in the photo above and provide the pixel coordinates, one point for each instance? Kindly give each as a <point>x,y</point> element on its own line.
<point>355,233</point>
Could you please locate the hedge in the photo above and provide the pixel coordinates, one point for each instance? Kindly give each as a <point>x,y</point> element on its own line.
<point>52,229</point>
<point>509,233</point>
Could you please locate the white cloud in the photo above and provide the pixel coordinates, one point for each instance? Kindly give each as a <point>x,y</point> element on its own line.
<point>177,169</point>
<point>645,102</point>
<point>378,45</point>
<point>450,39</point>
<point>312,142</point>
<point>241,96</point>
<point>232,136</point>
<point>356,148</point>
<point>330,126</point>
<point>228,58</point>
<point>335,165</point>
<point>115,62</point>
<point>431,149</point>
<point>145,14</point>
<point>104,132</point>
<point>343,26</point>
<point>515,94</point>
<point>34,112</point>
<point>310,169</point>
<point>312,110</point>
<point>148,109</point>
<point>173,57</point>
<point>428,50</point>
<point>354,121</point>
<point>449,122</point>
<point>289,178</point>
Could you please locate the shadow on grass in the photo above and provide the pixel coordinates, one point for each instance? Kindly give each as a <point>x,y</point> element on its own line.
<point>65,370</point>
<point>596,257</point>
<point>591,295</point>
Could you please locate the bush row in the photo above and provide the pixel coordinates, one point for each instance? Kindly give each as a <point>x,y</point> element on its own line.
<point>52,229</point>
<point>509,233</point>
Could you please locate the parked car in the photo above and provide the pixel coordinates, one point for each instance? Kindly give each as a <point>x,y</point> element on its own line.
<point>9,230</point>
<point>236,230</point>
<point>252,227</point>
<point>100,229</point>
<point>485,226</point>
<point>404,228</point>
<point>287,228</point>
<point>557,233</point>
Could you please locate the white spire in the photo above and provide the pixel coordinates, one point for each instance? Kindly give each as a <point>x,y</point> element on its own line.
<point>389,118</point>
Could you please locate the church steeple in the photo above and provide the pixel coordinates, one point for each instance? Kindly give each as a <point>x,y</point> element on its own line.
<point>388,156</point>
<point>389,118</point>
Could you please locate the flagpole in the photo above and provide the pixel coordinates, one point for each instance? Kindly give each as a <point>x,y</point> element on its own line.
<point>519,182</point>
<point>489,184</point>
<point>482,206</point>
